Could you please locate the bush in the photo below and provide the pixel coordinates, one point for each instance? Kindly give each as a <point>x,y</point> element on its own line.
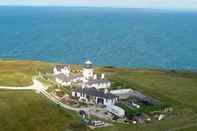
<point>130,113</point>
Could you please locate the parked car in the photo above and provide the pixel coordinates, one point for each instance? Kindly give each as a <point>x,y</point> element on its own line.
<point>97,123</point>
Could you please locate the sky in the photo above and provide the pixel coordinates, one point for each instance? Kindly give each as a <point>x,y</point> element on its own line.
<point>169,4</point>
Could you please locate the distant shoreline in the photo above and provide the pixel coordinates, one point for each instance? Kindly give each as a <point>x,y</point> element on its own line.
<point>104,66</point>
<point>106,7</point>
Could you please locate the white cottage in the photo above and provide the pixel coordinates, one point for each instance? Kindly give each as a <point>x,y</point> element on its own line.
<point>62,69</point>
<point>98,83</point>
<point>63,79</point>
<point>86,79</point>
<point>92,95</point>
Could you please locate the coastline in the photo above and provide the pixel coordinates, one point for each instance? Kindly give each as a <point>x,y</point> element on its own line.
<point>104,66</point>
<point>176,88</point>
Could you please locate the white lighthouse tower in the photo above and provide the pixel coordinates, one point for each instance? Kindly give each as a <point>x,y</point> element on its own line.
<point>88,71</point>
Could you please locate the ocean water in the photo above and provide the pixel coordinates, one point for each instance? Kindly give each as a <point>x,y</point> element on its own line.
<point>137,38</point>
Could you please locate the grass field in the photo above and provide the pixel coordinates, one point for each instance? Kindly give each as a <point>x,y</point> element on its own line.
<point>176,87</point>
<point>19,73</point>
<point>27,111</point>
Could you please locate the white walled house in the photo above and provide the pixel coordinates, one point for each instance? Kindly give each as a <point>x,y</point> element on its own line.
<point>77,78</point>
<point>63,80</point>
<point>92,95</point>
<point>87,79</point>
<point>62,69</point>
<point>98,83</point>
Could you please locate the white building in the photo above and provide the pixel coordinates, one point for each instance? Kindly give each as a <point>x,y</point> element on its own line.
<point>87,78</point>
<point>116,110</point>
<point>61,69</point>
<point>63,79</point>
<point>92,95</point>
<point>98,83</point>
<point>91,80</point>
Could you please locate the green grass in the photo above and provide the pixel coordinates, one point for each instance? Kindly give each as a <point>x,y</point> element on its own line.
<point>27,111</point>
<point>130,113</point>
<point>178,88</point>
<point>19,73</point>
<point>192,128</point>
<point>160,84</point>
<point>22,110</point>
<point>178,119</point>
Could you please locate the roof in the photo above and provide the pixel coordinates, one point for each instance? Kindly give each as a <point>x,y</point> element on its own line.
<point>88,62</point>
<point>117,108</point>
<point>59,67</point>
<point>63,77</point>
<point>96,93</point>
<point>77,75</point>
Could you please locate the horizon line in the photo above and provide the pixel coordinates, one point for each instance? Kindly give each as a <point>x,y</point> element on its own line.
<point>88,6</point>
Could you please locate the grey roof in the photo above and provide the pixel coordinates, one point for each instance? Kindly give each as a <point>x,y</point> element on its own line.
<point>63,77</point>
<point>77,75</point>
<point>59,67</point>
<point>96,93</point>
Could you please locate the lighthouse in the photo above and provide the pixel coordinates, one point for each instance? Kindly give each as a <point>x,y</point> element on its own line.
<point>88,71</point>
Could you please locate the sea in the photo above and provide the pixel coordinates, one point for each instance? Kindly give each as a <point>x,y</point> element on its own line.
<point>134,38</point>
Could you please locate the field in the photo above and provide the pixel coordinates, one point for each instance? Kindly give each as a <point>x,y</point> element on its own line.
<point>22,110</point>
<point>28,111</point>
<point>176,87</point>
<point>19,73</point>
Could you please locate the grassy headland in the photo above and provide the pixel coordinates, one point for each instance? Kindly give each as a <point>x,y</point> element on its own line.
<point>19,73</point>
<point>28,111</point>
<point>178,88</point>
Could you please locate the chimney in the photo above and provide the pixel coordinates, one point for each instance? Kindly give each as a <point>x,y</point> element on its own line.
<point>102,76</point>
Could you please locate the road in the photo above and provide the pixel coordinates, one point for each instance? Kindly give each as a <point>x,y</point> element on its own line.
<point>39,87</point>
<point>32,87</point>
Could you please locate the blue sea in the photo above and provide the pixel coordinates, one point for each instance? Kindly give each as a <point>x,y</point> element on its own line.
<point>136,38</point>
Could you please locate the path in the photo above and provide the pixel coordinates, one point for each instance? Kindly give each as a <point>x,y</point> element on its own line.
<point>32,87</point>
<point>39,87</point>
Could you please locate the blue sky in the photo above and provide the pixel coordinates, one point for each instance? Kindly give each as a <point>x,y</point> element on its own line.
<point>169,4</point>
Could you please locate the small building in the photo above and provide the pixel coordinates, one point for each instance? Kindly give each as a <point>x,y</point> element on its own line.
<point>92,95</point>
<point>116,110</point>
<point>77,78</point>
<point>62,69</point>
<point>63,79</point>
